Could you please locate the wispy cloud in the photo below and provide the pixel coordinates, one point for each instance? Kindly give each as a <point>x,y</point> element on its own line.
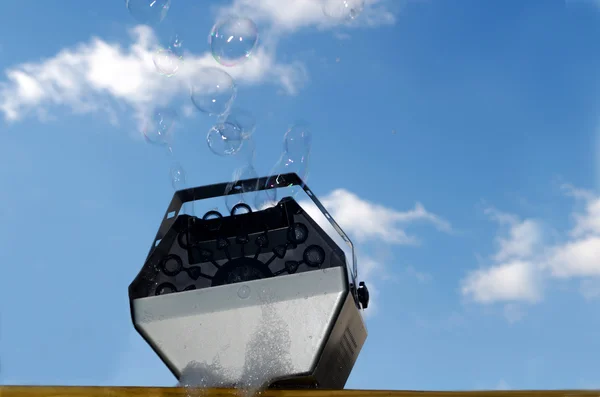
<point>84,78</point>
<point>289,16</point>
<point>368,223</point>
<point>525,261</point>
<point>91,76</point>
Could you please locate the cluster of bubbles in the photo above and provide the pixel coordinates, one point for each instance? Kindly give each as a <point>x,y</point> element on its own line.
<point>213,92</point>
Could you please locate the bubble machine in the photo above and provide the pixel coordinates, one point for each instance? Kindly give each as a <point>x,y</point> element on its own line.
<point>256,294</point>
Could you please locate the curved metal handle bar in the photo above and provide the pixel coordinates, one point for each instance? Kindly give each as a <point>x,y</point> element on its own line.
<point>223,189</point>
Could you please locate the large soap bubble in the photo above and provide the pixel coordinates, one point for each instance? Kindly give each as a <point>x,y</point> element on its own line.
<point>343,9</point>
<point>213,91</point>
<point>232,41</point>
<point>224,139</point>
<point>149,12</point>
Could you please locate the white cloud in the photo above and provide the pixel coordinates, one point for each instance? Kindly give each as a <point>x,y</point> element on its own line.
<point>510,281</point>
<point>524,261</point>
<point>92,76</point>
<point>522,239</point>
<point>369,267</point>
<point>368,221</point>
<point>289,16</point>
<point>588,222</point>
<point>85,78</point>
<point>513,277</point>
<point>579,258</point>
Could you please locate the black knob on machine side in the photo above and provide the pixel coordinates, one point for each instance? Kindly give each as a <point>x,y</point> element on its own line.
<point>363,294</point>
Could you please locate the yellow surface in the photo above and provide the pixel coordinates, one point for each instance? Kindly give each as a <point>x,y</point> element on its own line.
<point>56,391</point>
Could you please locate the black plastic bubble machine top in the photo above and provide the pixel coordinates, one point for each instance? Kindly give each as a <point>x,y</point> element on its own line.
<point>266,289</point>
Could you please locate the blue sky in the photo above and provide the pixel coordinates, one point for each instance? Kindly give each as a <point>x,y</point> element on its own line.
<point>456,142</point>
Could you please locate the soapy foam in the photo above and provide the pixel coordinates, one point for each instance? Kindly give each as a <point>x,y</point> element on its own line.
<point>267,357</point>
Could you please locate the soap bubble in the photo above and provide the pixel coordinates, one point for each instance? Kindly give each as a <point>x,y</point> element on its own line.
<point>224,139</point>
<point>343,9</point>
<point>244,120</point>
<point>244,292</point>
<point>168,60</point>
<point>213,91</point>
<point>297,141</point>
<point>242,190</point>
<point>167,63</point>
<point>179,182</point>
<point>157,130</point>
<point>294,159</point>
<point>149,12</point>
<point>178,178</point>
<point>233,40</point>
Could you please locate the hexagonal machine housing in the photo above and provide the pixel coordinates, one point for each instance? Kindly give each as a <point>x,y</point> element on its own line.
<point>265,293</point>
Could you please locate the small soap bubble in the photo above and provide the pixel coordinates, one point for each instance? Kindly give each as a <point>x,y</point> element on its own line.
<point>244,292</point>
<point>232,41</point>
<point>166,62</point>
<point>149,12</point>
<point>157,130</point>
<point>178,178</point>
<point>343,10</point>
<point>243,119</point>
<point>176,43</point>
<point>265,295</point>
<point>213,91</point>
<point>294,159</point>
<point>169,59</point>
<point>224,139</point>
<point>242,190</point>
